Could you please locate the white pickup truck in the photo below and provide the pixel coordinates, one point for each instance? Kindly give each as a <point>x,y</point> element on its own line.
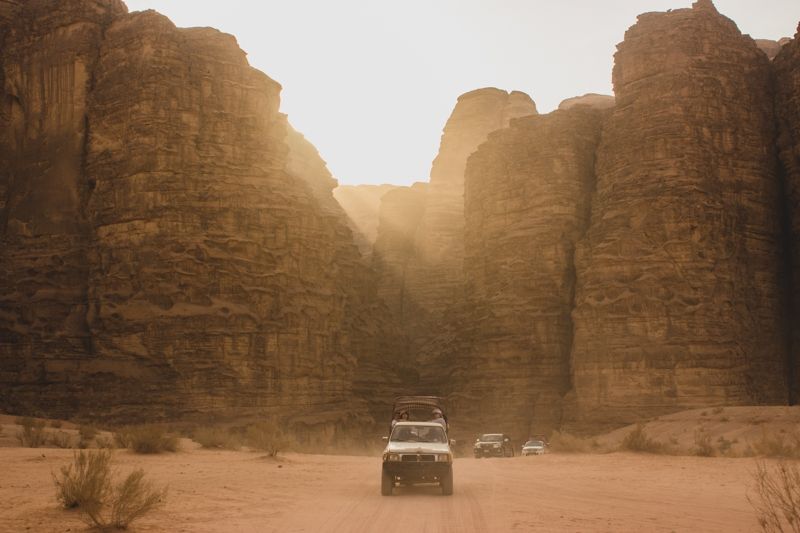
<point>417,452</point>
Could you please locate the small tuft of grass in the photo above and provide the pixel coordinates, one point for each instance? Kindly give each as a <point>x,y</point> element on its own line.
<point>638,441</point>
<point>702,444</point>
<point>216,438</point>
<point>32,434</point>
<point>266,436</point>
<point>778,445</point>
<point>717,410</point>
<point>87,433</point>
<point>146,439</point>
<point>61,439</point>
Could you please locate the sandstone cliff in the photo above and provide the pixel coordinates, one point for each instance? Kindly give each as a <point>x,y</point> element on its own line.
<point>787,106</point>
<point>362,203</point>
<point>526,205</point>
<point>678,278</point>
<point>173,253</point>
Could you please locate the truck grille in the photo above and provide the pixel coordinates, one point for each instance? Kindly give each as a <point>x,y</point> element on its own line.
<point>418,458</point>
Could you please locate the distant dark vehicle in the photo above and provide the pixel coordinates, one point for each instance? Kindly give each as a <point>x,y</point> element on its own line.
<point>534,447</point>
<point>418,409</point>
<point>493,445</point>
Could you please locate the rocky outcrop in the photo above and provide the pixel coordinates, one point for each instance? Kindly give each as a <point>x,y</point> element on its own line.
<point>176,251</point>
<point>770,47</point>
<point>787,107</point>
<point>597,101</point>
<point>526,204</point>
<point>678,278</point>
<point>362,203</point>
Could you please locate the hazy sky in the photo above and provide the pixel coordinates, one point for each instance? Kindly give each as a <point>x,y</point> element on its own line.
<point>372,82</point>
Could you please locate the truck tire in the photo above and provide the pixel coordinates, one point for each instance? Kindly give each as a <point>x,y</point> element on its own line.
<point>387,483</point>
<point>447,483</point>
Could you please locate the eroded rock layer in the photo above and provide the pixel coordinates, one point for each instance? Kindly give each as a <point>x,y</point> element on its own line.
<point>206,268</point>
<point>787,107</point>
<point>678,298</point>
<point>526,204</point>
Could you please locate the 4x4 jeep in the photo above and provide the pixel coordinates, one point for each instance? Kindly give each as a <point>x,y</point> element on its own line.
<point>493,445</point>
<point>417,452</point>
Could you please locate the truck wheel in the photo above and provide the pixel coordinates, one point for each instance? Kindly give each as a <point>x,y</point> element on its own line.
<point>447,483</point>
<point>387,483</point>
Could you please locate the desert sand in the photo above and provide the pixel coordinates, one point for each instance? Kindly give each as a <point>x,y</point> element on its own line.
<point>211,491</point>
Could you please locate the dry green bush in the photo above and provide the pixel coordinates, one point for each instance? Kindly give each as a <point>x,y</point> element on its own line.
<point>266,436</point>
<point>104,442</point>
<point>32,434</point>
<point>777,497</point>
<point>702,444</point>
<point>567,443</point>
<point>88,484</point>
<point>217,438</point>
<point>146,439</point>
<point>778,445</point>
<point>638,441</point>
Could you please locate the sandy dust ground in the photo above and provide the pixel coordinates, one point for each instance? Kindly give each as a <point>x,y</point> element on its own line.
<point>244,491</point>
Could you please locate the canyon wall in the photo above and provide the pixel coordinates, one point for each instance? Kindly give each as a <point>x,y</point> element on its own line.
<point>172,248</point>
<point>362,203</point>
<point>526,204</point>
<point>48,55</point>
<point>787,111</point>
<point>678,297</point>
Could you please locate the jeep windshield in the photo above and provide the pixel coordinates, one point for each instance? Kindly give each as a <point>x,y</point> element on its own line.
<point>418,434</point>
<point>491,438</point>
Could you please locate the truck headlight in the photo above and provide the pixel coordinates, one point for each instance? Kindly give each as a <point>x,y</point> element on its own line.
<point>391,457</point>
<point>443,457</point>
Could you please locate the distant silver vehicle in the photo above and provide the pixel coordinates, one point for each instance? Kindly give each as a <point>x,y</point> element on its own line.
<point>534,447</point>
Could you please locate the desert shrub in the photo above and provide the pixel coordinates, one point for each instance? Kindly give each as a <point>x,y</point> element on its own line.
<point>61,439</point>
<point>88,478</point>
<point>32,434</point>
<point>87,483</point>
<point>717,410</point>
<point>777,497</point>
<point>568,443</point>
<point>266,436</point>
<point>104,442</point>
<point>146,439</point>
<point>217,438</point>
<point>638,441</point>
<point>56,424</point>
<point>725,446</point>
<point>778,445</point>
<point>702,444</point>
<point>87,433</point>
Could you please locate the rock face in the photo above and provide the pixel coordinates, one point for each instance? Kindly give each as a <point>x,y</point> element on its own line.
<point>787,106</point>
<point>678,294</point>
<point>770,47</point>
<point>178,252</point>
<point>433,284</point>
<point>362,203</point>
<point>49,53</point>
<point>522,222</point>
<point>597,101</point>
<point>400,213</point>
